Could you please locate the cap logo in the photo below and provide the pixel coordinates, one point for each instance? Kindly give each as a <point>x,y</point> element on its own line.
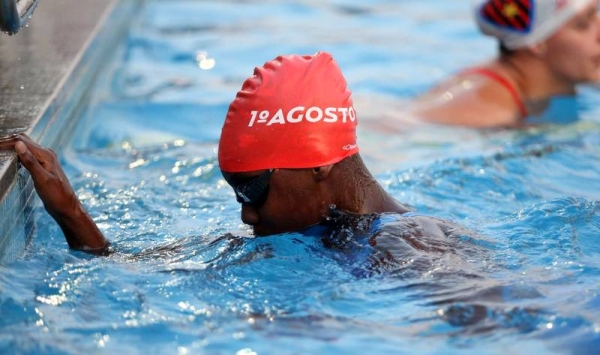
<point>516,15</point>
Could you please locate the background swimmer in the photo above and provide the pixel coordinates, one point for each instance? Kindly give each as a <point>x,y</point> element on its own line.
<point>547,47</point>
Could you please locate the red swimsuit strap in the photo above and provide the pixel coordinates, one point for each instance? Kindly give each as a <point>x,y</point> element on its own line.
<point>502,81</point>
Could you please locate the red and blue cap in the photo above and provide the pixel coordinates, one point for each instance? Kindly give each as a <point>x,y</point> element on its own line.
<point>523,23</point>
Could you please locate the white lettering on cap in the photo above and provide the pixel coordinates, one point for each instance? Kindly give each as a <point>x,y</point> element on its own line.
<point>298,114</point>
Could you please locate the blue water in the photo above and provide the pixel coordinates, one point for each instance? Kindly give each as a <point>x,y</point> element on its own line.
<point>187,277</point>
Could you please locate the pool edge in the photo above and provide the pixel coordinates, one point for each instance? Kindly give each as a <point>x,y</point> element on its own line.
<point>55,125</point>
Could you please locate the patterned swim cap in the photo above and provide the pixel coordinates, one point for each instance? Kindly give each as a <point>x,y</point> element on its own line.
<point>522,23</point>
<point>294,112</point>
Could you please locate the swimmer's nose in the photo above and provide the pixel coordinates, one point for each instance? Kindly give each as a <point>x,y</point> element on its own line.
<point>250,215</point>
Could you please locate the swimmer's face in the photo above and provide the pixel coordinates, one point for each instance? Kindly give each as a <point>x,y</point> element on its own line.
<point>573,52</point>
<point>293,200</point>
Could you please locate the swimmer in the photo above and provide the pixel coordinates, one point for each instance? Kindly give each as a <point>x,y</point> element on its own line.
<point>287,148</point>
<point>547,47</point>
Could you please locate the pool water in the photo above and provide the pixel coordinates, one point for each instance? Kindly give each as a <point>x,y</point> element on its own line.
<point>187,277</point>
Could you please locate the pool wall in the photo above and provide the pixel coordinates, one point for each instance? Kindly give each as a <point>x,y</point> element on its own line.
<point>46,71</point>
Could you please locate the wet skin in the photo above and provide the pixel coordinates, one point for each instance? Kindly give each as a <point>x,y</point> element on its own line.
<point>296,199</point>
<point>55,191</point>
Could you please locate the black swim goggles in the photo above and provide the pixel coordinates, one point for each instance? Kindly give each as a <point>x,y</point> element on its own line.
<point>254,191</point>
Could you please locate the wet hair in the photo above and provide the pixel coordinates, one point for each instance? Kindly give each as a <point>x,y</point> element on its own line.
<point>504,50</point>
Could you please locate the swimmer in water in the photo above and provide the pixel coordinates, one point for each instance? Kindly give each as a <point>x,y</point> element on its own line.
<point>547,47</point>
<point>287,148</point>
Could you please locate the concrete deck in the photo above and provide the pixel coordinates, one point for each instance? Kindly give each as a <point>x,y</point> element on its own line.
<point>45,72</point>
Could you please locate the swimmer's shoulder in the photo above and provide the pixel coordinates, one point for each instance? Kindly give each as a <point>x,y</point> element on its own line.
<point>416,224</point>
<point>449,230</point>
<point>470,99</point>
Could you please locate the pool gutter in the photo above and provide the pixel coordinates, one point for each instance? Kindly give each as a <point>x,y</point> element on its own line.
<point>46,72</point>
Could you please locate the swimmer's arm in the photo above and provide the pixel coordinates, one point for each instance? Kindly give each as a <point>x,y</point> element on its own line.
<point>58,196</point>
<point>80,230</point>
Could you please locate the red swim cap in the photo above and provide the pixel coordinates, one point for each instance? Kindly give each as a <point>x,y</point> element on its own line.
<point>294,112</point>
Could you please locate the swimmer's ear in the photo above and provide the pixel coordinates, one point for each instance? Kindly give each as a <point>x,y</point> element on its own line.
<point>321,173</point>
